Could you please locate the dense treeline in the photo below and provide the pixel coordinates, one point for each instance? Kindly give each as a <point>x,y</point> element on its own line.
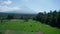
<point>51,18</point>
<point>15,16</point>
<point>9,16</point>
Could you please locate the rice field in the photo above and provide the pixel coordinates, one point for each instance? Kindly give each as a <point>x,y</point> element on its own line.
<point>16,26</point>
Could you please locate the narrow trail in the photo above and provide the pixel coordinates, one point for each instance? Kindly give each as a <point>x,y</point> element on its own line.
<point>39,32</point>
<point>9,32</point>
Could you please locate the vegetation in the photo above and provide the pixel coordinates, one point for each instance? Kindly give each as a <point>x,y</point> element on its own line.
<point>30,27</point>
<point>23,23</point>
<point>51,18</point>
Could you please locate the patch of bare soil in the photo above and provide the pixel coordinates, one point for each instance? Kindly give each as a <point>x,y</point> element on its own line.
<point>39,32</point>
<point>10,32</point>
<point>7,31</point>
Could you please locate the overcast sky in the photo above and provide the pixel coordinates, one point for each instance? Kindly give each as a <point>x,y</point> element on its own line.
<point>36,5</point>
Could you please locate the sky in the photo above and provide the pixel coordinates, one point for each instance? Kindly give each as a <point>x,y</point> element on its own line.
<point>36,5</point>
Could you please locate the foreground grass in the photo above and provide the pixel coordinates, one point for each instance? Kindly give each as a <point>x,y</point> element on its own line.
<point>30,26</point>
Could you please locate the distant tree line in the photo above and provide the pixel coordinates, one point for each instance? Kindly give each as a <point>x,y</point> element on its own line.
<point>6,16</point>
<point>51,18</point>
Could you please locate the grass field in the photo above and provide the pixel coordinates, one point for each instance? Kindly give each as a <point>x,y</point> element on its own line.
<point>29,27</point>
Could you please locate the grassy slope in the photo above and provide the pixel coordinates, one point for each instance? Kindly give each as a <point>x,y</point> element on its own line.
<point>26,26</point>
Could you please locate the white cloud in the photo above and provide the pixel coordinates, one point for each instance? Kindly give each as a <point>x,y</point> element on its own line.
<point>5,2</point>
<point>5,8</point>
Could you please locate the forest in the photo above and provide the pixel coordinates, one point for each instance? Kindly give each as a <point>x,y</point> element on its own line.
<point>51,18</point>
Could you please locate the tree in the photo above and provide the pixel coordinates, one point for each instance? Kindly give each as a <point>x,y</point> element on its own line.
<point>10,17</point>
<point>51,18</point>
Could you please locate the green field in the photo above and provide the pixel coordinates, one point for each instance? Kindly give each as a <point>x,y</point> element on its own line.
<point>29,27</point>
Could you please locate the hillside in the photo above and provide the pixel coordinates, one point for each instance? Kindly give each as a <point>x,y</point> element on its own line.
<point>31,27</point>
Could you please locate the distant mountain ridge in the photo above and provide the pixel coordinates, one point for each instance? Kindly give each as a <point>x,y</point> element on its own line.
<point>24,10</point>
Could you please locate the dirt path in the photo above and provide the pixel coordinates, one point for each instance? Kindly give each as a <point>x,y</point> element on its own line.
<point>39,32</point>
<point>7,31</point>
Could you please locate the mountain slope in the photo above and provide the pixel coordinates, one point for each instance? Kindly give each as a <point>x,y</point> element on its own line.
<point>23,10</point>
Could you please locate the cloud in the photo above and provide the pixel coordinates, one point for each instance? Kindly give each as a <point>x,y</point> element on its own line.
<point>6,8</point>
<point>5,2</point>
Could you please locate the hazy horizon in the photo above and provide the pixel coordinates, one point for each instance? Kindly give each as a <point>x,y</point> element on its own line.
<point>35,5</point>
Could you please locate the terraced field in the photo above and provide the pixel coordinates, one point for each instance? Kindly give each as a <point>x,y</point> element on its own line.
<point>30,27</point>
